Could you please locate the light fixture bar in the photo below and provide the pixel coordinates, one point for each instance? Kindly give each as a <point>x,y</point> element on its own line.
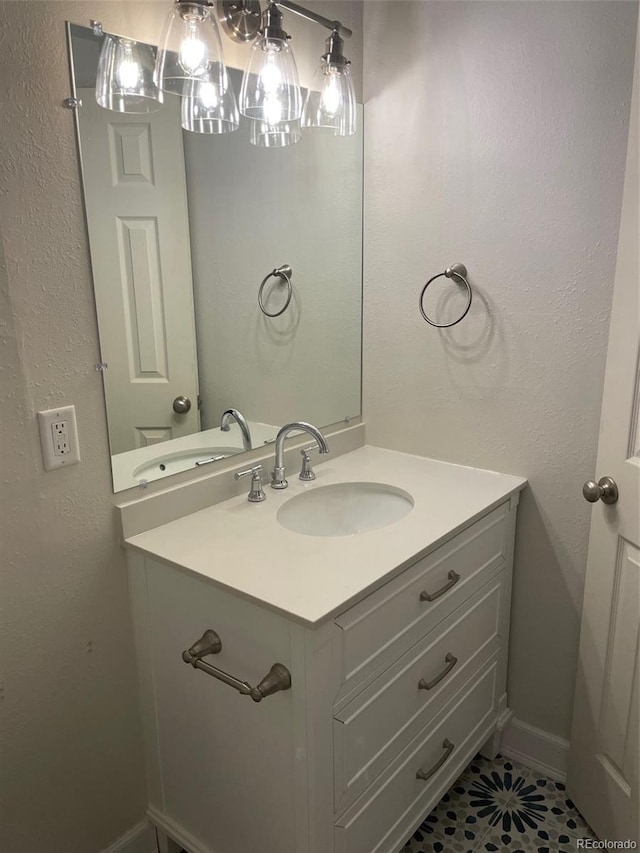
<point>343,31</point>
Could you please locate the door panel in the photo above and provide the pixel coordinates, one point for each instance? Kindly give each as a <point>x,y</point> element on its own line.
<point>140,251</point>
<point>603,761</point>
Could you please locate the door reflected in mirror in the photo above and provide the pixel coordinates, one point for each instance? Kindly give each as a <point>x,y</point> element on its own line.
<point>183,229</point>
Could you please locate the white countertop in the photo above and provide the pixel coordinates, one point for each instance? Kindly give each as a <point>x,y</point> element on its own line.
<point>240,546</point>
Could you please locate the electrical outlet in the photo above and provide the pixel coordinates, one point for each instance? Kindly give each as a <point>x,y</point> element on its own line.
<point>59,437</point>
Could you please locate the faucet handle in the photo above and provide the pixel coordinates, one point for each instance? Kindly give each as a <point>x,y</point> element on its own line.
<point>256,494</point>
<point>306,472</point>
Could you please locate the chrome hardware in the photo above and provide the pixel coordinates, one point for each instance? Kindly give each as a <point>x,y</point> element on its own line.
<point>96,26</point>
<point>72,103</point>
<point>240,19</point>
<point>284,273</point>
<point>278,678</point>
<point>181,405</point>
<point>278,480</point>
<point>427,774</point>
<point>306,472</point>
<point>210,459</point>
<point>429,685</point>
<point>604,490</point>
<point>101,366</point>
<point>458,272</point>
<point>454,577</point>
<point>256,495</point>
<point>240,419</point>
<point>336,26</point>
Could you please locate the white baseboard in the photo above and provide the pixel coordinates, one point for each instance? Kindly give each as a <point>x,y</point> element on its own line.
<point>536,748</point>
<point>139,839</point>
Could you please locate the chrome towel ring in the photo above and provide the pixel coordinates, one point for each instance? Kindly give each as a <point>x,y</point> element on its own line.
<point>458,272</point>
<point>284,273</point>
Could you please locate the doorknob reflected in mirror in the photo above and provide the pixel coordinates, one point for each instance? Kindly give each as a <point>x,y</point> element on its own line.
<point>181,405</point>
<point>604,490</point>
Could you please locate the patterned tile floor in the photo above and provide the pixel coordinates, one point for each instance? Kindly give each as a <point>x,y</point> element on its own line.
<point>501,806</point>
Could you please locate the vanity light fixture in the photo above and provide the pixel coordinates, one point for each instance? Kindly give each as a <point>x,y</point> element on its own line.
<point>190,50</point>
<point>270,88</point>
<point>124,82</point>
<point>190,63</point>
<point>331,100</point>
<point>270,92</point>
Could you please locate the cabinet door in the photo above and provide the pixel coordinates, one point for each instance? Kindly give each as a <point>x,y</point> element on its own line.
<point>226,762</point>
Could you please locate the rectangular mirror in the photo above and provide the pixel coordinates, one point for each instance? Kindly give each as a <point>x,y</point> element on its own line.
<point>184,229</point>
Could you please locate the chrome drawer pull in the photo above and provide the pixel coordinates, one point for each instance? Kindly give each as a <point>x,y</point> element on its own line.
<point>427,774</point>
<point>454,577</point>
<point>428,685</point>
<point>278,677</point>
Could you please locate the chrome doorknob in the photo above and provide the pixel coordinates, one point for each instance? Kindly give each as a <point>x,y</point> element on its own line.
<point>181,405</point>
<point>604,490</point>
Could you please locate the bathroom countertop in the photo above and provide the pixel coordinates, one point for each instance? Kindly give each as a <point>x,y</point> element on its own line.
<point>240,546</point>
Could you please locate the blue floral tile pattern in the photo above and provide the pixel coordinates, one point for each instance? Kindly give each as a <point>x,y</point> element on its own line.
<point>501,806</point>
<point>505,799</point>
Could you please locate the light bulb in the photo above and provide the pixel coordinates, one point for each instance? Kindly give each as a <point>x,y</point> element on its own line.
<point>331,98</point>
<point>270,74</point>
<point>193,55</point>
<point>128,70</point>
<point>271,80</point>
<point>208,95</point>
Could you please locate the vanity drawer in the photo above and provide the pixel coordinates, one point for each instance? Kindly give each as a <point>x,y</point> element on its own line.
<point>379,820</point>
<point>406,608</point>
<point>373,727</point>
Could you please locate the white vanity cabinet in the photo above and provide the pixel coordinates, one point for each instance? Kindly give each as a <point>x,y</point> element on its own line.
<point>390,698</point>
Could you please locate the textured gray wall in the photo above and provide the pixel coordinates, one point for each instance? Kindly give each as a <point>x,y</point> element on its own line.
<point>496,136</point>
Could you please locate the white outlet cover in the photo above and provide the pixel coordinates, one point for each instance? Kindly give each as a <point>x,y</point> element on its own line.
<point>46,420</point>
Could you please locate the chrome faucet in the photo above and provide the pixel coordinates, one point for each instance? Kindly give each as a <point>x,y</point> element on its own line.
<point>240,419</point>
<point>278,480</point>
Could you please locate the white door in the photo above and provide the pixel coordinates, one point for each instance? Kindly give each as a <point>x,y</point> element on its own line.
<point>603,761</point>
<point>136,203</point>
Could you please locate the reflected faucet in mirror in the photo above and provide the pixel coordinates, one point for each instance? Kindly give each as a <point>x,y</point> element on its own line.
<point>278,479</point>
<point>240,419</point>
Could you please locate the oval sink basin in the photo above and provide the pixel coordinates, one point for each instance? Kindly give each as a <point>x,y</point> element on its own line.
<point>173,463</point>
<point>344,509</point>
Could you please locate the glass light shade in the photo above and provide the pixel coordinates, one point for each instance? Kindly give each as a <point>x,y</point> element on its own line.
<point>331,101</point>
<point>125,77</point>
<point>208,110</point>
<point>266,135</point>
<point>270,89</point>
<point>190,50</point>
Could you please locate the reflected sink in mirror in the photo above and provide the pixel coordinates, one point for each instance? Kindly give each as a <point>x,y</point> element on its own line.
<point>344,509</point>
<point>173,463</point>
<point>145,464</point>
